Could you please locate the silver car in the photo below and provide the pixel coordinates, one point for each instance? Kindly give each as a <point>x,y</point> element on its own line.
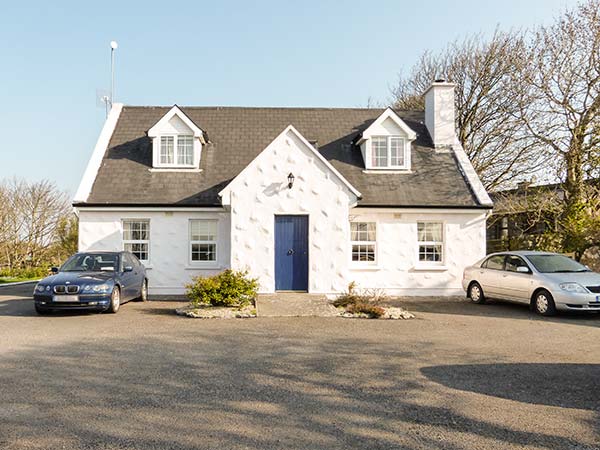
<point>546,281</point>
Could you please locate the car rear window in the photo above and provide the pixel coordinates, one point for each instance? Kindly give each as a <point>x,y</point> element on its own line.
<point>494,262</point>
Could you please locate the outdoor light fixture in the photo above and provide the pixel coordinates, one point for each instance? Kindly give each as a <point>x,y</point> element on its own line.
<point>291,179</point>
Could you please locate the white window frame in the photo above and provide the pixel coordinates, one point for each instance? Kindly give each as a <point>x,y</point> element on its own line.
<point>191,242</point>
<point>388,139</point>
<point>373,243</point>
<point>136,241</point>
<point>175,151</point>
<point>442,243</point>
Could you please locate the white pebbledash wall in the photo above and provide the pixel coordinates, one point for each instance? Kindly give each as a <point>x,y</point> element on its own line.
<point>169,266</point>
<point>398,270</point>
<point>250,228</point>
<point>261,191</point>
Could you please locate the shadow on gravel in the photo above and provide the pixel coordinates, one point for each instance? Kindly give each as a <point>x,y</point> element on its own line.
<point>258,389</point>
<point>562,385</point>
<point>497,309</point>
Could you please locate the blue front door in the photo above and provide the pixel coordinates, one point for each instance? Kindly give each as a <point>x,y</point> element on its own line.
<point>291,253</point>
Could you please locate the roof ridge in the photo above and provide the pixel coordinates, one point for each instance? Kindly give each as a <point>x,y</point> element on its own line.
<point>305,108</point>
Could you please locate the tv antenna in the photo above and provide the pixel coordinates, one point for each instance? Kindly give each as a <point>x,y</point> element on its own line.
<point>106,98</point>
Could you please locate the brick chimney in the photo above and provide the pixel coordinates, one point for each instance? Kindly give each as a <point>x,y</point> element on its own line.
<point>439,113</point>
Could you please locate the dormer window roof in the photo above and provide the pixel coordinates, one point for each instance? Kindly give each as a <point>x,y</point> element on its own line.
<point>386,143</point>
<point>176,141</point>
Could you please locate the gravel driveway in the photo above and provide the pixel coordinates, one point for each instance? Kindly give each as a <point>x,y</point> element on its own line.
<point>459,376</point>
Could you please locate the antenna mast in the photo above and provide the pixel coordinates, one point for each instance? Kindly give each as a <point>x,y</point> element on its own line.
<point>113,47</point>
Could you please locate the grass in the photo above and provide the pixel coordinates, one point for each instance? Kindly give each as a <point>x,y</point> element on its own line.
<point>4,280</point>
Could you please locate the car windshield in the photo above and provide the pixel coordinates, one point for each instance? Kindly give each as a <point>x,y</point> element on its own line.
<point>556,264</point>
<point>90,262</point>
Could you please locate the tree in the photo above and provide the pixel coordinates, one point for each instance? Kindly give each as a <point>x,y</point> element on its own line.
<point>561,110</point>
<point>29,219</point>
<point>67,236</point>
<point>487,104</point>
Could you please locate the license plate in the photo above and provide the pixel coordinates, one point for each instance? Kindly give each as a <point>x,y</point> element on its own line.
<point>65,298</point>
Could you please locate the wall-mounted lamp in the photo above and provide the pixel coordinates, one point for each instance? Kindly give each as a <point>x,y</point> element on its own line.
<point>291,179</point>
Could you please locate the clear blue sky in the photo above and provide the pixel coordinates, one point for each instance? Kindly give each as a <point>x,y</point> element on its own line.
<point>264,53</point>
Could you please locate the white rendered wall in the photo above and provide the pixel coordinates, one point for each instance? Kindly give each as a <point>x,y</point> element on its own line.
<point>398,270</point>
<point>261,192</point>
<point>169,268</point>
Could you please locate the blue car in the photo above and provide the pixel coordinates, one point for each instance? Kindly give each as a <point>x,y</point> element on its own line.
<point>96,281</point>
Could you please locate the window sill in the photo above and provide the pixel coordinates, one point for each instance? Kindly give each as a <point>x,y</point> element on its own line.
<point>175,169</point>
<point>388,171</point>
<point>429,268</point>
<point>204,267</point>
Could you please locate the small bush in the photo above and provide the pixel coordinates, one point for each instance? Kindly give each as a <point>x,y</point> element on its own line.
<point>229,288</point>
<point>369,309</point>
<point>356,302</point>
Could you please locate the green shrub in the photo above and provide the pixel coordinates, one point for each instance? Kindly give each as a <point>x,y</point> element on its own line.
<point>229,288</point>
<point>25,273</point>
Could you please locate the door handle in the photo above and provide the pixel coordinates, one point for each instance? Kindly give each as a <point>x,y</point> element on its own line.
<point>290,252</point>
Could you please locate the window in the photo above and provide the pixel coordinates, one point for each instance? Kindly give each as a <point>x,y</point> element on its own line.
<point>128,261</point>
<point>396,151</point>
<point>203,240</point>
<point>431,241</point>
<point>136,238</point>
<point>388,151</point>
<point>512,262</point>
<point>495,262</point>
<point>166,149</point>
<point>363,236</point>
<point>176,150</point>
<point>379,151</point>
<point>185,150</point>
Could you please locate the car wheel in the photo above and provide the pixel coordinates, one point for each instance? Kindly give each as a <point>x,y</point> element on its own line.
<point>42,311</point>
<point>543,303</point>
<point>475,293</point>
<point>115,300</point>
<point>144,292</point>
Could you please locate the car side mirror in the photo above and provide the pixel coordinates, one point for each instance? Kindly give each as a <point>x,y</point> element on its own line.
<point>54,270</point>
<point>127,269</point>
<point>523,269</point>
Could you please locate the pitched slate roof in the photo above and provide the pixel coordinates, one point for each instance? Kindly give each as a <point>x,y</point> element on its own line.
<point>237,135</point>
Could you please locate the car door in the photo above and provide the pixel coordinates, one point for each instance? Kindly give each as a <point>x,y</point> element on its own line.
<point>139,273</point>
<point>490,276</point>
<point>127,277</point>
<point>515,284</point>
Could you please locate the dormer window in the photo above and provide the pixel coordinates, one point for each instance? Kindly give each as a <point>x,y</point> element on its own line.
<point>386,144</point>
<point>176,150</point>
<point>176,142</point>
<point>388,151</point>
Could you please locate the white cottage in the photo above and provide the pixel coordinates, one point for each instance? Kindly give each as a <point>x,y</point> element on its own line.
<point>306,199</point>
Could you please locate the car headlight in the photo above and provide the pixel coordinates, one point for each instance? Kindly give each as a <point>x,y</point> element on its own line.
<point>574,288</point>
<point>101,288</point>
<point>41,288</point>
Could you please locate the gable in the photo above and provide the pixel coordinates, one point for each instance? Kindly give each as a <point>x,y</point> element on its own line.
<point>174,126</point>
<point>289,152</point>
<point>175,119</point>
<point>389,123</point>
